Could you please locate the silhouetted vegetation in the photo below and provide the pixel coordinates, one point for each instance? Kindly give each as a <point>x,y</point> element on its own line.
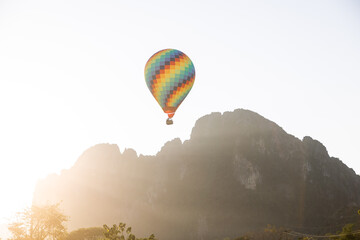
<point>39,223</point>
<point>347,233</point>
<point>91,233</point>
<point>273,233</point>
<point>120,232</point>
<point>47,223</point>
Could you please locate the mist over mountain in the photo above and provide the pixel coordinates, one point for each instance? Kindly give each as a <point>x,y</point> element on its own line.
<point>237,173</point>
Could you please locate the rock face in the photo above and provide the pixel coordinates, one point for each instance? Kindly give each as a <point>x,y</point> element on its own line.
<point>237,173</point>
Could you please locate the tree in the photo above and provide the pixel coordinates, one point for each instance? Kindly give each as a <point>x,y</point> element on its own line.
<point>118,232</point>
<point>347,233</point>
<point>39,223</point>
<point>92,233</point>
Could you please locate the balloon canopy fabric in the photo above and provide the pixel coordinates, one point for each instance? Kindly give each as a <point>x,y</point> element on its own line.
<point>169,75</point>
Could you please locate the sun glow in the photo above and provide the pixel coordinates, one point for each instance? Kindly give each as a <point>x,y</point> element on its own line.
<point>71,76</point>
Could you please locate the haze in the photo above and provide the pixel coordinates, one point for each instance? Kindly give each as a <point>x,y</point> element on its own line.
<point>71,76</point>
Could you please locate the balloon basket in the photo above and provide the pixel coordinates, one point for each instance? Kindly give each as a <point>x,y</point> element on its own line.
<point>169,121</point>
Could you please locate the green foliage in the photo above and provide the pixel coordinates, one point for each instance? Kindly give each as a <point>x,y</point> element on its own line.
<point>39,223</point>
<point>120,232</point>
<point>92,233</point>
<point>347,233</point>
<point>271,232</point>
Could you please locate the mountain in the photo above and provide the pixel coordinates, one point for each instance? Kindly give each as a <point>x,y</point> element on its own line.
<point>237,173</point>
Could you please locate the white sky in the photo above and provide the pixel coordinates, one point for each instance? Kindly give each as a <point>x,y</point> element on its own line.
<point>71,76</point>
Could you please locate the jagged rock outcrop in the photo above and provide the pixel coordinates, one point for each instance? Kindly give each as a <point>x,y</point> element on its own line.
<point>237,173</point>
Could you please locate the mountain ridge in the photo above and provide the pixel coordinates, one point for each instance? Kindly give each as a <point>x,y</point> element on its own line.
<point>238,172</point>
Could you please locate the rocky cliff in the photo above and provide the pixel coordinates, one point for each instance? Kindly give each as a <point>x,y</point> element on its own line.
<point>237,173</point>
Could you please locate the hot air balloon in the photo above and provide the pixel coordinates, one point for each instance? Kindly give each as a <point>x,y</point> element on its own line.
<point>169,75</point>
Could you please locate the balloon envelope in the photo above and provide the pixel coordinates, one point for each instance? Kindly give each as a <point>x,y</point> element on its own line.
<point>169,75</point>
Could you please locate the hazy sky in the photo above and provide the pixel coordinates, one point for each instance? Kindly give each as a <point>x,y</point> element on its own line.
<point>71,76</point>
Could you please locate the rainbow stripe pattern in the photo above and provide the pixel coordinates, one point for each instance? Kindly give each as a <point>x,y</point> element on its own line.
<point>169,75</point>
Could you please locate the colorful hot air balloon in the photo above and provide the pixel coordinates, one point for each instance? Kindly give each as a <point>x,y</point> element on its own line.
<point>169,75</point>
